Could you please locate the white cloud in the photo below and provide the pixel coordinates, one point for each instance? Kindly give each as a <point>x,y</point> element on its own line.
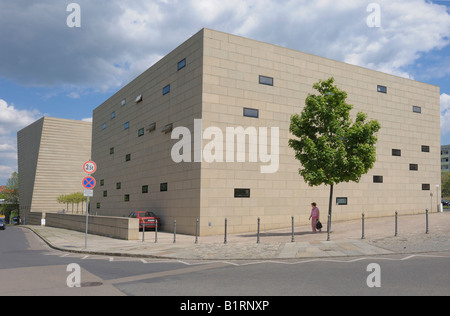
<point>445,114</point>
<point>118,40</point>
<point>12,120</point>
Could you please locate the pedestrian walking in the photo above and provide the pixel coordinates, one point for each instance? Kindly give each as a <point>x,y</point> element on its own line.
<point>314,217</point>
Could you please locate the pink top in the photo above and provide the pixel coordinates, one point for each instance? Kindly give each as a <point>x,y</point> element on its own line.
<point>315,212</point>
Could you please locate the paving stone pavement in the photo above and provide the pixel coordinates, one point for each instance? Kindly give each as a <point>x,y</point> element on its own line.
<point>345,241</point>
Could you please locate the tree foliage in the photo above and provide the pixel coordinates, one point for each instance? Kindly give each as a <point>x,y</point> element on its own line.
<point>73,198</point>
<point>329,145</point>
<point>11,195</point>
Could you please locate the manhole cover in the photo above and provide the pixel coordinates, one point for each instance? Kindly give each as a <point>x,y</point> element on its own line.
<point>91,284</point>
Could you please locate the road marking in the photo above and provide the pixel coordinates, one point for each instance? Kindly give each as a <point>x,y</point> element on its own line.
<point>166,273</point>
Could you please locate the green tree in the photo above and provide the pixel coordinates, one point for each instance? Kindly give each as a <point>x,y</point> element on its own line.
<point>445,177</point>
<point>11,195</point>
<point>329,145</point>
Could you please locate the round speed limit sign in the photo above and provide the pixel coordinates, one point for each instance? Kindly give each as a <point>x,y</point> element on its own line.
<point>89,167</point>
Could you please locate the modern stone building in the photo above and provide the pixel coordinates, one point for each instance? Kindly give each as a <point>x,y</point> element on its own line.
<point>216,83</point>
<point>51,153</point>
<point>445,156</point>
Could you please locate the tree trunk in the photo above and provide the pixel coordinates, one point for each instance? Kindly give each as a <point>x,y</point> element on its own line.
<point>330,207</point>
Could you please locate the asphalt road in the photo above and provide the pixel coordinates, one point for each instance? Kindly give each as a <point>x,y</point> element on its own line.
<point>29,267</point>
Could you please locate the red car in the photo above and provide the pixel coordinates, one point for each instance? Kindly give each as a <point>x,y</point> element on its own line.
<point>147,218</point>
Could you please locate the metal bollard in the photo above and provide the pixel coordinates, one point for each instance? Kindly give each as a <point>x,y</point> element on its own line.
<point>175,231</point>
<point>396,223</point>
<point>143,231</point>
<point>293,234</point>
<point>328,227</point>
<point>225,238</point>
<point>259,226</point>
<point>196,231</point>
<point>363,236</point>
<point>156,231</point>
<point>427,232</point>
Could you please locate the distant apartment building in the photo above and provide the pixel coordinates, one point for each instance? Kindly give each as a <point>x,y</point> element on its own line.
<point>161,142</point>
<point>51,153</point>
<point>445,155</point>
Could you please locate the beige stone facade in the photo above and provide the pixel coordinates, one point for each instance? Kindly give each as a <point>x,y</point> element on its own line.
<point>51,153</point>
<point>230,81</point>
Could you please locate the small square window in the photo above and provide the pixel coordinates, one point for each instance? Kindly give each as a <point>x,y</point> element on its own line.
<point>102,182</point>
<point>413,167</point>
<point>124,102</point>
<point>382,89</point>
<point>166,89</point>
<point>167,129</point>
<point>128,157</point>
<point>163,187</point>
<point>98,205</point>
<point>145,189</point>
<point>103,126</point>
<point>241,193</point>
<point>341,201</point>
<point>118,185</point>
<point>425,149</point>
<point>268,81</point>
<point>425,187</point>
<point>126,125</point>
<point>377,179</point>
<point>126,198</point>
<point>181,64</point>
<point>151,127</point>
<point>105,193</point>
<point>397,152</point>
<point>141,132</point>
<point>251,113</point>
<point>111,151</point>
<point>113,115</point>
<point>417,109</point>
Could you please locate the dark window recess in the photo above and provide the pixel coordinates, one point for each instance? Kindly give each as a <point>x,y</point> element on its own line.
<point>251,112</point>
<point>425,149</point>
<point>181,64</point>
<point>396,152</point>
<point>118,185</point>
<point>268,81</point>
<point>163,187</point>
<point>382,89</point>
<point>111,151</point>
<point>141,132</point>
<point>102,182</point>
<point>128,157</point>
<point>167,129</point>
<point>241,193</point>
<point>113,115</point>
<point>377,179</point>
<point>151,127</point>
<point>413,167</point>
<point>417,109</point>
<point>145,189</point>
<point>342,201</point>
<point>126,198</point>
<point>425,187</point>
<point>105,193</point>
<point>166,89</point>
<point>98,205</point>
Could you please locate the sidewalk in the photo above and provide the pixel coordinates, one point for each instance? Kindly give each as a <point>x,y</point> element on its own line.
<point>345,241</point>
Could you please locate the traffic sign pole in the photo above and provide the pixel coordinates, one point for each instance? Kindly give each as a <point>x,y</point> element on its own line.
<point>88,183</point>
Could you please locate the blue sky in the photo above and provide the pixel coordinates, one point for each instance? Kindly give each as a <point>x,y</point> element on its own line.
<point>50,69</point>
